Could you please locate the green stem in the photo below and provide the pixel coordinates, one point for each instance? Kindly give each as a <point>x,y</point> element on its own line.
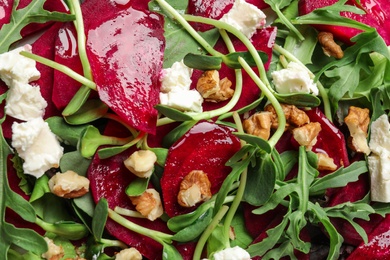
<point>205,235</point>
<point>113,243</point>
<point>64,69</point>
<point>153,234</point>
<point>289,24</point>
<point>278,108</point>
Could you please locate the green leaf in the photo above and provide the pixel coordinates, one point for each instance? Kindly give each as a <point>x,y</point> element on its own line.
<point>231,59</point>
<point>137,186</point>
<point>256,141</point>
<point>32,13</point>
<point>194,230</point>
<point>99,219</point>
<point>67,133</point>
<point>299,99</point>
<point>90,111</point>
<point>174,135</point>
<point>202,62</point>
<point>73,161</point>
<point>173,113</point>
<point>41,187</point>
<point>170,252</point>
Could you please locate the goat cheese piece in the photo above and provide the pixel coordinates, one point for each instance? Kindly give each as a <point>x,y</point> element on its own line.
<point>15,67</point>
<point>293,79</point>
<point>245,17</point>
<point>25,102</point>
<point>185,100</point>
<point>37,146</point>
<point>379,159</point>
<point>236,253</point>
<point>176,78</point>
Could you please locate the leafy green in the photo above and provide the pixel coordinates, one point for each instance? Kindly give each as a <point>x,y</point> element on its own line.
<point>32,13</point>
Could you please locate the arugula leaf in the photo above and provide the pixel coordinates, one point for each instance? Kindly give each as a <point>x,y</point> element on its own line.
<point>33,13</point>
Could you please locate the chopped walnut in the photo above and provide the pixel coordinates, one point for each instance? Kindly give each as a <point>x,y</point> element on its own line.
<point>54,252</point>
<point>357,121</point>
<point>325,163</point>
<point>259,124</point>
<point>307,135</point>
<point>212,88</point>
<point>69,185</point>
<point>141,163</point>
<point>294,116</point>
<point>194,188</point>
<point>329,46</point>
<point>129,254</point>
<point>148,204</point>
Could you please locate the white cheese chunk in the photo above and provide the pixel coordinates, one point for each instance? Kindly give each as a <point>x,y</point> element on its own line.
<point>25,102</point>
<point>379,159</point>
<point>245,17</point>
<point>236,253</point>
<point>37,146</point>
<point>295,78</point>
<point>185,100</point>
<point>176,78</point>
<point>15,67</point>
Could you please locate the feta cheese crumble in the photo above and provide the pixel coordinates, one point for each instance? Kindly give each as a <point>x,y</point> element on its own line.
<point>245,17</point>
<point>25,102</point>
<point>37,146</point>
<point>175,89</point>
<point>233,253</point>
<point>379,159</point>
<point>295,78</point>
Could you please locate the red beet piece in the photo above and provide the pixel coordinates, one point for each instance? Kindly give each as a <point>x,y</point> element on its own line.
<point>377,15</point>
<point>126,53</point>
<point>378,246</point>
<point>206,147</point>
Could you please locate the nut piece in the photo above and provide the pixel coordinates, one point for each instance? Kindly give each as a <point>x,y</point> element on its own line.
<point>129,254</point>
<point>212,88</point>
<point>325,163</point>
<point>194,188</point>
<point>329,46</point>
<point>69,185</point>
<point>294,116</point>
<point>141,163</point>
<point>259,124</point>
<point>357,121</point>
<point>148,204</point>
<point>54,252</point>
<point>307,135</point>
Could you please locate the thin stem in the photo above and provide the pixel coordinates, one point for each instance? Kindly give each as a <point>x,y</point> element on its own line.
<point>205,235</point>
<point>113,243</point>
<point>128,212</point>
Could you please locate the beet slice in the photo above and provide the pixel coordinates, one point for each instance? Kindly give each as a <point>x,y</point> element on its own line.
<point>377,15</point>
<point>206,147</point>
<point>126,53</point>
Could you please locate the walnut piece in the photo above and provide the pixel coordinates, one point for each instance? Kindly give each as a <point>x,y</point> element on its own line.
<point>325,163</point>
<point>148,204</point>
<point>357,121</point>
<point>329,46</point>
<point>212,88</point>
<point>294,116</point>
<point>307,135</point>
<point>194,188</point>
<point>141,163</point>
<point>54,252</point>
<point>69,185</point>
<point>128,254</point>
<point>259,124</point>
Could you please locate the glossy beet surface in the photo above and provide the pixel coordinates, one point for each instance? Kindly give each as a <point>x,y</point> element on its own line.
<point>377,15</point>
<point>206,147</point>
<point>126,53</point>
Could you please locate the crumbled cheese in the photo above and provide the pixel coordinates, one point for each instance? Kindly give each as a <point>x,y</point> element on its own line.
<point>15,67</point>
<point>54,251</point>
<point>25,102</point>
<point>186,100</point>
<point>37,146</point>
<point>236,253</point>
<point>129,254</point>
<point>245,17</point>
<point>294,78</point>
<point>379,159</point>
<point>176,78</point>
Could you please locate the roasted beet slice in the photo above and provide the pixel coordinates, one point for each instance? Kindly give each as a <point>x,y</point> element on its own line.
<point>206,147</point>
<point>126,53</point>
<point>377,15</point>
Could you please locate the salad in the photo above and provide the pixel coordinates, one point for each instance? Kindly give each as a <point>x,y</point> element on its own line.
<point>173,129</point>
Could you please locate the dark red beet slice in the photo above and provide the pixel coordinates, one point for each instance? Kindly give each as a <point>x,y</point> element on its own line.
<point>126,53</point>
<point>378,246</point>
<point>207,147</point>
<point>377,15</point>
